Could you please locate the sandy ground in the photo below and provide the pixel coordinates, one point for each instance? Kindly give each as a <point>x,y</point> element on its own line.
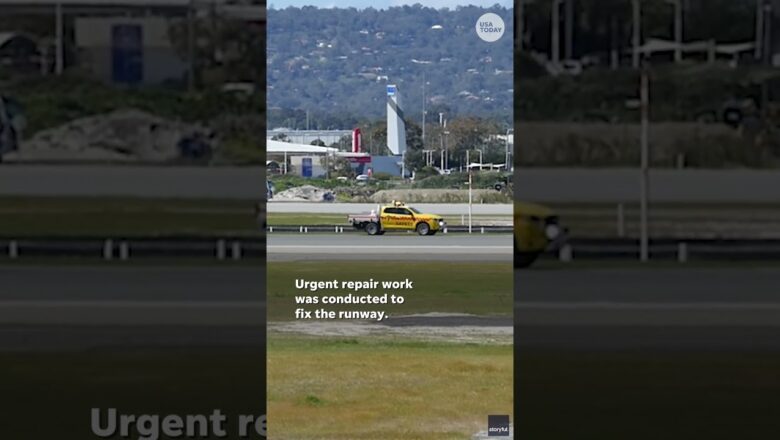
<point>436,327</point>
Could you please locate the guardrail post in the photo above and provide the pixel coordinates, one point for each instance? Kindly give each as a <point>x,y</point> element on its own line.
<point>566,253</point>
<point>13,249</point>
<point>300,230</point>
<point>482,230</point>
<point>682,252</point>
<point>108,249</point>
<point>221,249</point>
<point>621,221</point>
<point>445,231</point>
<point>236,250</point>
<point>124,251</point>
<point>270,229</point>
<point>306,230</point>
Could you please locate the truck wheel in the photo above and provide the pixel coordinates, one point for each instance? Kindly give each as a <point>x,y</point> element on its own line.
<point>423,228</point>
<point>372,228</point>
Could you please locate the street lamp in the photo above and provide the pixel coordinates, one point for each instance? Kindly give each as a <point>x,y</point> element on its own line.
<point>509,145</point>
<point>644,179</point>
<point>678,28</point>
<point>636,31</point>
<point>555,43</point>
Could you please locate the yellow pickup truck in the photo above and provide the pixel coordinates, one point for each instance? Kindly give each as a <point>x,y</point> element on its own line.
<point>537,229</point>
<point>397,217</point>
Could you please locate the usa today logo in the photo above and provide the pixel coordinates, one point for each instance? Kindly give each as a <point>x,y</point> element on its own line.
<point>490,27</point>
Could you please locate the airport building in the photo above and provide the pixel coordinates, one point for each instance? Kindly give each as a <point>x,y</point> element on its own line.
<point>125,41</point>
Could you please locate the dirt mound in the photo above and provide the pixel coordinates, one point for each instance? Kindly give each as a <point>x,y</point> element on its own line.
<point>124,135</point>
<point>306,193</point>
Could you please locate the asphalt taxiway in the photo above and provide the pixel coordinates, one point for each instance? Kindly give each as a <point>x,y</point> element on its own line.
<point>403,246</point>
<point>691,308</point>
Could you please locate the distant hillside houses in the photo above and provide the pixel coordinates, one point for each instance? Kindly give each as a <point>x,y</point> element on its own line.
<point>325,59</point>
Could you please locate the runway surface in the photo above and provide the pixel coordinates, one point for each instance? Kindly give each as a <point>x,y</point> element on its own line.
<point>133,296</point>
<point>648,308</point>
<point>703,308</point>
<point>534,184</point>
<point>398,246</point>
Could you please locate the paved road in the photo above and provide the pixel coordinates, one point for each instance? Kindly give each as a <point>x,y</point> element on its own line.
<point>618,185</point>
<point>444,209</point>
<point>636,309</point>
<point>449,247</point>
<point>137,296</point>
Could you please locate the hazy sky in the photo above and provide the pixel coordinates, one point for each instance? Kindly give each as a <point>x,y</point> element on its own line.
<point>381,4</point>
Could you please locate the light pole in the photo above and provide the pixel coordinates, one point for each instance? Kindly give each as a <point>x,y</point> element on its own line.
<point>568,26</point>
<point>59,56</point>
<point>470,198</point>
<point>678,29</point>
<point>446,153</point>
<point>636,31</point>
<point>423,110</point>
<point>759,28</point>
<point>555,36</point>
<point>644,183</point>
<point>767,28</point>
<point>520,25</point>
<point>509,145</point>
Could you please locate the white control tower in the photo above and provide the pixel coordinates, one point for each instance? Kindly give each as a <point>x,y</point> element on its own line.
<point>396,127</point>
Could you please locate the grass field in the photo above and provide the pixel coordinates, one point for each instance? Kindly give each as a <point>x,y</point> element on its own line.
<point>349,389</point>
<point>49,395</point>
<point>476,288</point>
<point>647,395</point>
<point>83,216</point>
<point>386,387</point>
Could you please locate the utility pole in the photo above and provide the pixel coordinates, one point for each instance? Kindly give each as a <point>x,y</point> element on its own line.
<point>520,25</point>
<point>509,145</point>
<point>568,29</point>
<point>191,46</point>
<point>59,62</point>
<point>555,36</point>
<point>470,198</point>
<point>636,32</point>
<point>768,15</point>
<point>423,110</point>
<point>644,184</point>
<point>678,29</point>
<point>759,29</point>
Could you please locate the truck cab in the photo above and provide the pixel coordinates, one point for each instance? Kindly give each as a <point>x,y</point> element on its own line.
<point>536,229</point>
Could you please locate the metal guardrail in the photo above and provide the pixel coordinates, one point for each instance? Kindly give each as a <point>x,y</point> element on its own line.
<point>119,248</point>
<point>340,229</point>
<point>242,247</point>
